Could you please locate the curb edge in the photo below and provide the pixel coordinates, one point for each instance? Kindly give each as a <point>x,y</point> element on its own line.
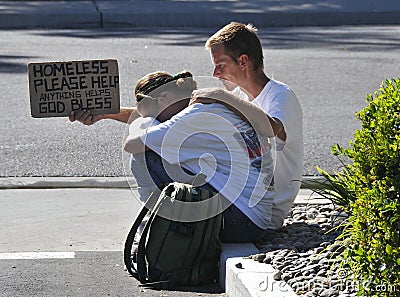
<point>121,182</point>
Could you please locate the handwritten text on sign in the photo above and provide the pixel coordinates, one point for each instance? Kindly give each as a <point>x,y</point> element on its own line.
<point>58,88</point>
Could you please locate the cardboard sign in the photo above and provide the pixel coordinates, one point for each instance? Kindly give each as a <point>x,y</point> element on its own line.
<point>58,88</point>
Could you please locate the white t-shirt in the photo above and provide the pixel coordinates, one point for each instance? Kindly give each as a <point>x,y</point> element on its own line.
<point>280,102</point>
<point>211,139</point>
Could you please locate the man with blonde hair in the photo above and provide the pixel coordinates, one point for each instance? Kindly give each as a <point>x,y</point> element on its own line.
<point>269,105</point>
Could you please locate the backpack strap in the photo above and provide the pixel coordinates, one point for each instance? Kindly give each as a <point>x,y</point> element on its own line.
<point>131,235</point>
<point>129,242</point>
<point>141,253</point>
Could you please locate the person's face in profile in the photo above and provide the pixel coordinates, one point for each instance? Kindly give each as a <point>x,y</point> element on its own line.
<point>147,106</point>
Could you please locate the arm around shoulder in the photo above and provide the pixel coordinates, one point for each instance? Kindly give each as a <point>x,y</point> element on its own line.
<point>264,125</point>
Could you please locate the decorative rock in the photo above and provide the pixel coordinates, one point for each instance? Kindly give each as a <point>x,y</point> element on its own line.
<point>239,265</point>
<point>334,247</point>
<point>325,244</point>
<point>326,208</point>
<point>287,265</point>
<point>277,275</point>
<point>288,268</point>
<point>267,259</point>
<point>277,260</point>
<point>322,272</point>
<point>301,289</point>
<point>283,253</point>
<point>322,221</point>
<point>329,293</point>
<point>311,267</point>
<point>317,291</point>
<point>259,257</point>
<point>300,216</point>
<point>305,253</point>
<point>285,277</point>
<point>297,273</point>
<point>326,225</point>
<point>313,210</point>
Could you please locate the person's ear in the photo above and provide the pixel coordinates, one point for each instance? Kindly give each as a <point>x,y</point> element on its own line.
<point>243,60</point>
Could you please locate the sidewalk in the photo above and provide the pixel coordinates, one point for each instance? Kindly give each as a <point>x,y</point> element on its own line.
<point>195,13</point>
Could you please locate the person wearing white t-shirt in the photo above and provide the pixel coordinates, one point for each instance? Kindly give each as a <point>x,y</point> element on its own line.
<point>213,140</point>
<point>237,56</point>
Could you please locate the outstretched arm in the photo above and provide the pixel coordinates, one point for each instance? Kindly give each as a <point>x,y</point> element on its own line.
<point>126,115</point>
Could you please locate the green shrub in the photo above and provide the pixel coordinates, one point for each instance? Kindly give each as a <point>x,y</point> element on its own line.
<point>369,190</point>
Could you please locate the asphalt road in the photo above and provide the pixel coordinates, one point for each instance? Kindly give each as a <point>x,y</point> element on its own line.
<point>88,274</point>
<point>330,68</point>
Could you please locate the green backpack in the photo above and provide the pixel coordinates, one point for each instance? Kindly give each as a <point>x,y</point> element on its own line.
<point>173,253</point>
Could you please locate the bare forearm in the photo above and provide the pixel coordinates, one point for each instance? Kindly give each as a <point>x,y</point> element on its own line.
<point>126,115</point>
<point>264,124</point>
<point>261,122</point>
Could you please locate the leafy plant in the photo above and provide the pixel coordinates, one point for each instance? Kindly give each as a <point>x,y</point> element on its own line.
<point>336,188</point>
<point>369,190</point>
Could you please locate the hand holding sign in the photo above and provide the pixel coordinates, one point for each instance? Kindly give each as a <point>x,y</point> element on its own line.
<point>59,88</point>
<point>85,117</point>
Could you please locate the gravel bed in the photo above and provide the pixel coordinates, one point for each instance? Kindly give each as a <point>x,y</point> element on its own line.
<point>305,252</point>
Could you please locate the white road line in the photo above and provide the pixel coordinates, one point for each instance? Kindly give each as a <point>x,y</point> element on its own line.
<point>37,255</point>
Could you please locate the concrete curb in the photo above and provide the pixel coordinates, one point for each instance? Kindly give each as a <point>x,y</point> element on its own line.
<point>246,277</point>
<point>48,14</point>
<point>243,277</point>
<point>8,183</point>
<point>233,250</point>
<point>118,14</point>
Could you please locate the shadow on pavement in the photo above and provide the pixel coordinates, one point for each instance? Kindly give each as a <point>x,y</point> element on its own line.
<point>364,38</point>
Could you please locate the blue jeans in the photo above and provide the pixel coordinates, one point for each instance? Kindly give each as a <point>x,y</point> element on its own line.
<point>236,227</point>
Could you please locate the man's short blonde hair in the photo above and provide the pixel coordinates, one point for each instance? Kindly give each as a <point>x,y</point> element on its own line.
<point>239,39</point>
